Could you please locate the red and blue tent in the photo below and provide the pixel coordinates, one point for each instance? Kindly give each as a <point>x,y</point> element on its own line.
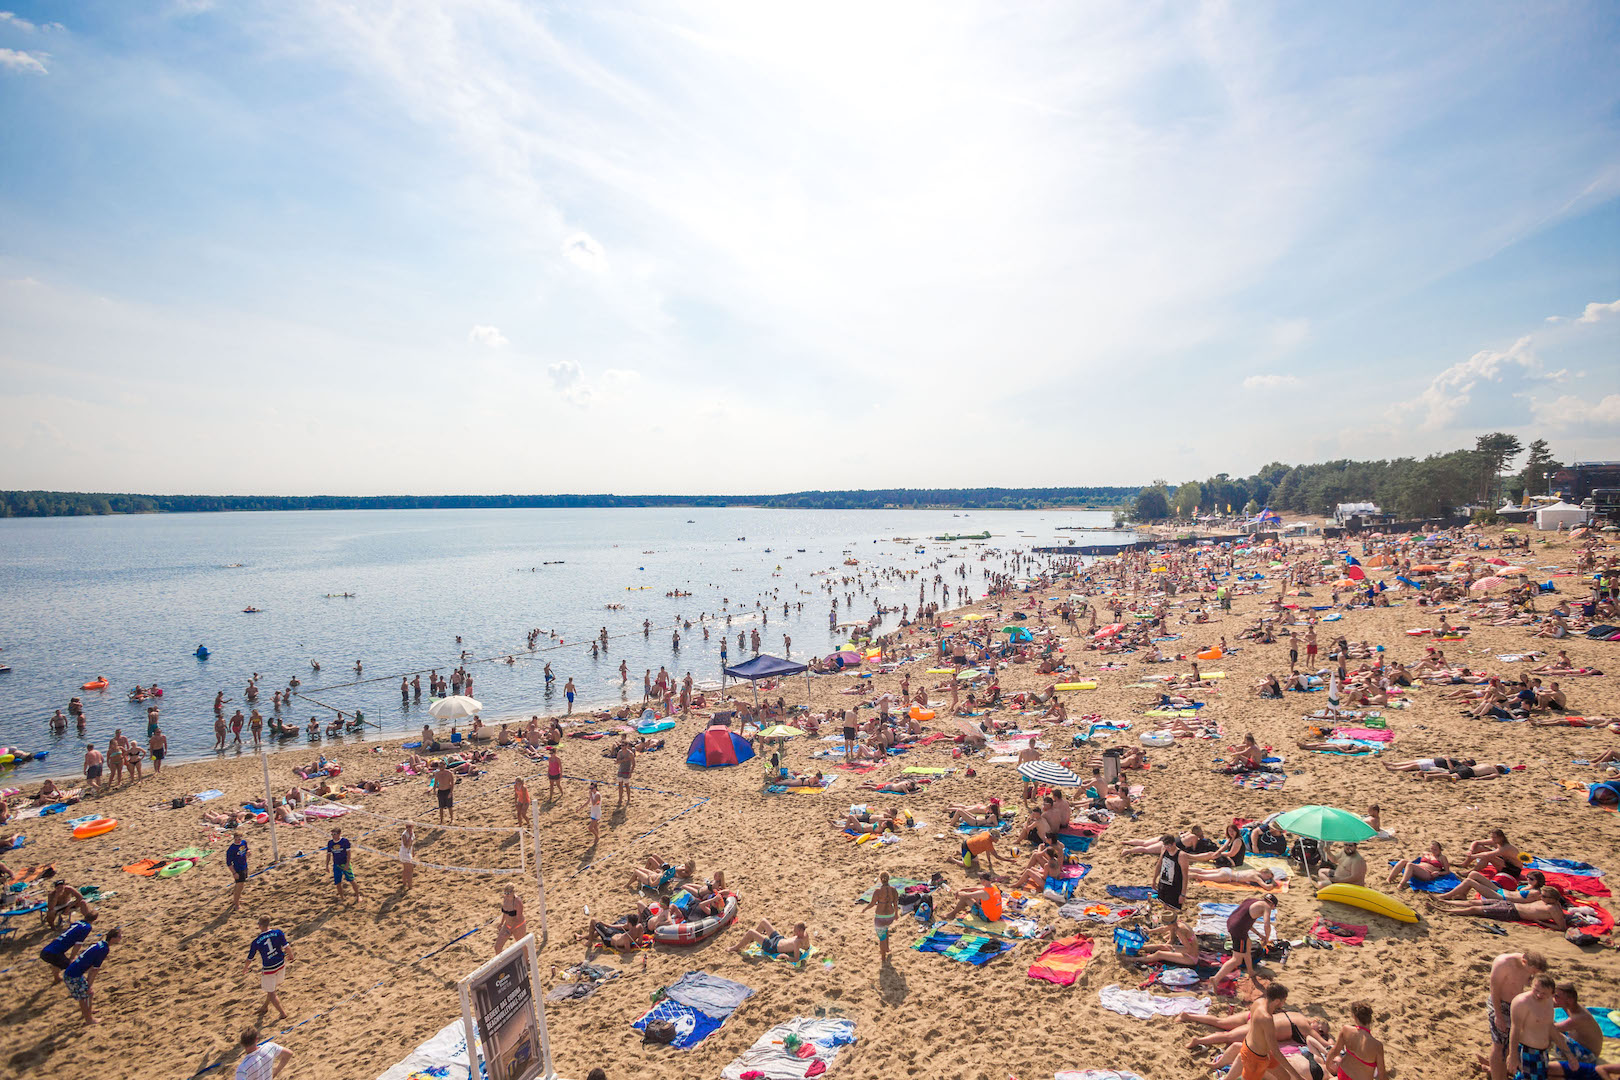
<point>716,747</point>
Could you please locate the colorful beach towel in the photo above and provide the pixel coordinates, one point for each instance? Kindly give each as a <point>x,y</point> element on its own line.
<point>1260,781</point>
<point>1063,961</point>
<point>976,949</point>
<point>1337,933</point>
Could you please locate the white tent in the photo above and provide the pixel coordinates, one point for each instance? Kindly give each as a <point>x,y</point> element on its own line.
<point>1560,515</point>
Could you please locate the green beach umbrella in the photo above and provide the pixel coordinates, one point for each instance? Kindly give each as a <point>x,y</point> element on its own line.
<point>780,731</point>
<point>1326,823</point>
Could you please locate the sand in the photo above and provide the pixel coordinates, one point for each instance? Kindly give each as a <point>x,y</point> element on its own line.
<point>368,982</point>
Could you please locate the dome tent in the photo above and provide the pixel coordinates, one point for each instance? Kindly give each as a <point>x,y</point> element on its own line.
<point>716,747</point>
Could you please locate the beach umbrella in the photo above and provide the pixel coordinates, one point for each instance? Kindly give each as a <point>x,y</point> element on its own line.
<point>454,708</point>
<point>1326,823</point>
<point>1426,568</point>
<point>1511,570</point>
<point>1110,630</point>
<point>780,731</point>
<point>849,656</point>
<point>1502,562</point>
<point>970,673</point>
<point>1488,583</point>
<point>974,617</point>
<point>1048,772</point>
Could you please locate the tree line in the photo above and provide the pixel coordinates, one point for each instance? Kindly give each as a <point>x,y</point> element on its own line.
<point>79,504</point>
<point>1409,488</point>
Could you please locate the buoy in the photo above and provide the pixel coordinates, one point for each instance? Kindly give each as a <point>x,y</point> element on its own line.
<point>95,828</point>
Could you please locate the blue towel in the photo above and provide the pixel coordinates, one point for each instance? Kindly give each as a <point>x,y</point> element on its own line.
<point>1130,892</point>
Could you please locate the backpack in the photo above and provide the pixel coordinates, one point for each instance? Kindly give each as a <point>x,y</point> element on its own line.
<point>659,1031</point>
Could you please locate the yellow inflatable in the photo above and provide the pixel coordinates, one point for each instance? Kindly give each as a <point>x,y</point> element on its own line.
<point>921,714</point>
<point>1075,686</point>
<point>1205,675</point>
<point>1368,900</point>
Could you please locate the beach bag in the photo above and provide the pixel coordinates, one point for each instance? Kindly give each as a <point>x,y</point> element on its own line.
<point>659,1031</point>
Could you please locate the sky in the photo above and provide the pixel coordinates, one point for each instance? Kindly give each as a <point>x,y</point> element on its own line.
<point>482,246</point>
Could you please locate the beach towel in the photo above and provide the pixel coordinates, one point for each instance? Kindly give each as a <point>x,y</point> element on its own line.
<point>925,770</point>
<point>1131,892</point>
<point>754,952</point>
<point>1092,911</point>
<point>770,1059</point>
<point>1280,886</point>
<point>1444,883</point>
<point>1337,933</point>
<point>1145,1006</point>
<point>1564,866</point>
<point>209,795</point>
<point>1095,1074</point>
<point>1364,734</point>
<point>1212,918</point>
<point>1018,929</point>
<point>1577,883</point>
<point>1062,961</point>
<point>1260,781</point>
<point>697,1004</point>
<point>899,884</point>
<point>975,949</point>
<point>191,853</point>
<point>325,811</point>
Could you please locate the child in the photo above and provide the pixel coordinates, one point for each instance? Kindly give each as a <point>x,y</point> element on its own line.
<point>593,801</point>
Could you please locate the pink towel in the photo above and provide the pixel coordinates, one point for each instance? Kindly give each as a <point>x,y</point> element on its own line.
<point>1370,734</point>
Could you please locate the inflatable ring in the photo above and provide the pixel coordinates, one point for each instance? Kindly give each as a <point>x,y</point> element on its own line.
<point>698,930</point>
<point>176,868</point>
<point>95,684</point>
<point>921,714</point>
<point>95,828</point>
<point>1157,738</point>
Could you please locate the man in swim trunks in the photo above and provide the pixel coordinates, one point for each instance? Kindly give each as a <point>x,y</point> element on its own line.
<point>444,786</point>
<point>1581,1029</point>
<point>60,950</point>
<point>158,744</point>
<point>1259,1054</point>
<point>627,767</point>
<point>80,975</point>
<point>985,900</point>
<point>885,908</point>
<point>1510,975</point>
<point>92,766</point>
<point>337,857</point>
<point>774,943</point>
<point>273,951</point>
<point>1532,1031</point>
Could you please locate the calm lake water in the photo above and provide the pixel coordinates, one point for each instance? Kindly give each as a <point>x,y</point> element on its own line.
<point>131,598</point>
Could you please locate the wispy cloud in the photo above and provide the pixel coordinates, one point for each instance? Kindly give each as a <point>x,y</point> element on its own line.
<point>20,60</point>
<point>489,336</point>
<point>1269,382</point>
<point>1569,412</point>
<point>1594,312</point>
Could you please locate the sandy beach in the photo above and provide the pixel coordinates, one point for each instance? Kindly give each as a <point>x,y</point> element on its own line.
<point>370,981</point>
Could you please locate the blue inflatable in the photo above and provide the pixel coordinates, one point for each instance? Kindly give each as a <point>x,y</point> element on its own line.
<point>201,653</point>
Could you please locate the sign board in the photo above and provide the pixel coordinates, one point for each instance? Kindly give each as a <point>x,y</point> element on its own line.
<point>498,1001</point>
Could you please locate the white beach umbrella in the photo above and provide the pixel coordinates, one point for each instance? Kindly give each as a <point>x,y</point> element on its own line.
<point>1048,772</point>
<point>454,708</point>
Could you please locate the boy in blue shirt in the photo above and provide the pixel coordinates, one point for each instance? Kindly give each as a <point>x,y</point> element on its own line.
<point>236,859</point>
<point>81,973</point>
<point>337,857</point>
<point>60,950</point>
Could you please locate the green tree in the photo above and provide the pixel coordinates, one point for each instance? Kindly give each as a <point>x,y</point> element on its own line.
<point>1538,468</point>
<point>1495,451</point>
<point>1185,501</point>
<point>1151,505</point>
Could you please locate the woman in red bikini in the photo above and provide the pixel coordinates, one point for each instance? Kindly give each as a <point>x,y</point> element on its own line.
<point>1357,1055</point>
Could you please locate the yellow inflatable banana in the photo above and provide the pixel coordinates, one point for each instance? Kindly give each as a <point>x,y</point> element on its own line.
<point>1368,900</point>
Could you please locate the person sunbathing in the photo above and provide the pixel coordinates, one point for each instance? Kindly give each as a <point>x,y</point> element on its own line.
<point>1337,746</point>
<point>1425,868</point>
<point>774,943</point>
<point>1233,1030</point>
<point>795,780</point>
<point>1489,887</point>
<point>986,814</point>
<point>1180,946</point>
<point>623,936</point>
<point>1546,909</point>
<point>658,875</point>
<point>1427,765</point>
<point>1470,772</point>
<point>1044,862</point>
<point>858,824</point>
<point>1233,875</point>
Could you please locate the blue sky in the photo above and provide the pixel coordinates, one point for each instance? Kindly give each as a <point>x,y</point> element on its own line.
<point>485,245</point>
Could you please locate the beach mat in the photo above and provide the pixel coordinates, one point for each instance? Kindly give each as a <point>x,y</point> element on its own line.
<point>975,949</point>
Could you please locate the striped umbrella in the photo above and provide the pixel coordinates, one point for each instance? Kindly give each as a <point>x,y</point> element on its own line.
<point>1048,772</point>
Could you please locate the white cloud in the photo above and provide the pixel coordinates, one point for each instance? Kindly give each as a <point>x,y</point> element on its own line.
<point>487,335</point>
<point>584,251</point>
<point>1594,312</point>
<point>565,374</point>
<point>1269,382</point>
<point>12,19</point>
<point>18,60</point>
<point>1569,411</point>
<point>1450,392</point>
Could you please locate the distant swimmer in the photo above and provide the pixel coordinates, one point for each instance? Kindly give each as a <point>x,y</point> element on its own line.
<point>315,664</point>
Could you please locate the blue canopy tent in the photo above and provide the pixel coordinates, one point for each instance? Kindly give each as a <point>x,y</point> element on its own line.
<point>765,666</point>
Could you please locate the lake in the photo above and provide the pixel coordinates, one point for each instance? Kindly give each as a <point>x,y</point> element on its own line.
<point>131,598</point>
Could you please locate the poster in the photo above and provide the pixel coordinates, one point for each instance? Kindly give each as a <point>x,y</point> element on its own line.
<point>503,1006</point>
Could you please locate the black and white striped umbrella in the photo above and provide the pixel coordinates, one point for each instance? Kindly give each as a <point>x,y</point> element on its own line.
<point>1048,772</point>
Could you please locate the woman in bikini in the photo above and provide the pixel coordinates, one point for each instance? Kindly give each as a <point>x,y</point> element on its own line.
<point>1425,868</point>
<point>407,856</point>
<point>658,875</point>
<point>984,814</point>
<point>512,925</point>
<point>1357,1055</point>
